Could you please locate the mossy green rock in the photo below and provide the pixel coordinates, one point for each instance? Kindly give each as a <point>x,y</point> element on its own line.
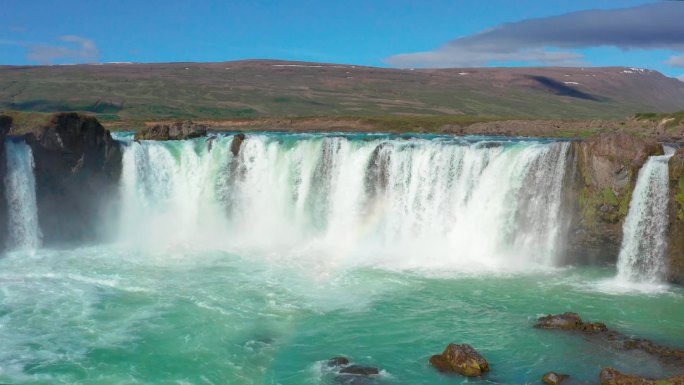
<point>607,169</point>
<point>462,359</point>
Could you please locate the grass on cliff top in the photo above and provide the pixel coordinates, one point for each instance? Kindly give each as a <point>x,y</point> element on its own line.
<point>24,122</point>
<point>670,119</point>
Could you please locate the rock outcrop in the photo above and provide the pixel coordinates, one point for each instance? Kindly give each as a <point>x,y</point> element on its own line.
<point>599,333</point>
<point>610,376</point>
<point>77,169</point>
<point>607,169</point>
<point>237,143</point>
<point>568,321</point>
<point>173,131</point>
<point>462,359</point>
<point>5,125</point>
<point>675,251</point>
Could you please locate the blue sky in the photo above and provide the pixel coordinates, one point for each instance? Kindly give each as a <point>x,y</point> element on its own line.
<point>377,33</point>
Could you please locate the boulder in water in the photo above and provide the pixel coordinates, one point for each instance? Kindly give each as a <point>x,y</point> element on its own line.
<point>359,370</point>
<point>610,376</point>
<point>565,321</point>
<point>174,131</point>
<point>462,359</point>
<point>553,378</point>
<point>337,361</point>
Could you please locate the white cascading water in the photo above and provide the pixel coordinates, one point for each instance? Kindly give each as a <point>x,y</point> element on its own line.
<point>644,241</point>
<point>23,229</point>
<point>417,203</point>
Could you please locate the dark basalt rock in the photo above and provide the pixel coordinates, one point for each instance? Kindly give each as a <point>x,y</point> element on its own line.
<point>599,333</point>
<point>610,376</point>
<point>338,361</point>
<point>565,321</point>
<point>5,125</point>
<point>237,143</point>
<point>174,131</point>
<point>553,378</point>
<point>462,359</point>
<point>359,370</point>
<point>77,170</point>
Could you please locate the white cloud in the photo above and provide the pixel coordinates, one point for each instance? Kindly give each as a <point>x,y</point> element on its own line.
<point>550,40</point>
<point>75,49</point>
<point>676,61</point>
<point>681,77</point>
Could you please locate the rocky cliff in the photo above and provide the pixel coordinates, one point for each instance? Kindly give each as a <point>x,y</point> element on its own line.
<point>77,169</point>
<point>606,171</point>
<point>173,131</point>
<point>5,125</point>
<point>675,252</point>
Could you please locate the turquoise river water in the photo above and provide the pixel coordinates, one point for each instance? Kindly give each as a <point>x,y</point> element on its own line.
<point>256,268</point>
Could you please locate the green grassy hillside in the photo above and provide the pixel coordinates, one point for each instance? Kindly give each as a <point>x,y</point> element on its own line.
<point>253,89</point>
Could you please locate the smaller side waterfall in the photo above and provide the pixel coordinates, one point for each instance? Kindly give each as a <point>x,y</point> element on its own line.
<point>644,232</point>
<point>23,230</point>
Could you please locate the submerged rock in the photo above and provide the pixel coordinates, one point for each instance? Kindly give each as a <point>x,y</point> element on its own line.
<point>610,376</point>
<point>462,359</point>
<point>174,131</point>
<point>77,170</point>
<point>553,378</point>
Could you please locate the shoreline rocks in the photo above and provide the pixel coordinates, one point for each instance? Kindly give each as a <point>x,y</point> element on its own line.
<point>462,359</point>
<point>610,376</point>
<point>174,131</point>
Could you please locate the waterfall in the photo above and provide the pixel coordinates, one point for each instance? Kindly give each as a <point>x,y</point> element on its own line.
<point>403,203</point>
<point>23,230</point>
<point>645,229</point>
